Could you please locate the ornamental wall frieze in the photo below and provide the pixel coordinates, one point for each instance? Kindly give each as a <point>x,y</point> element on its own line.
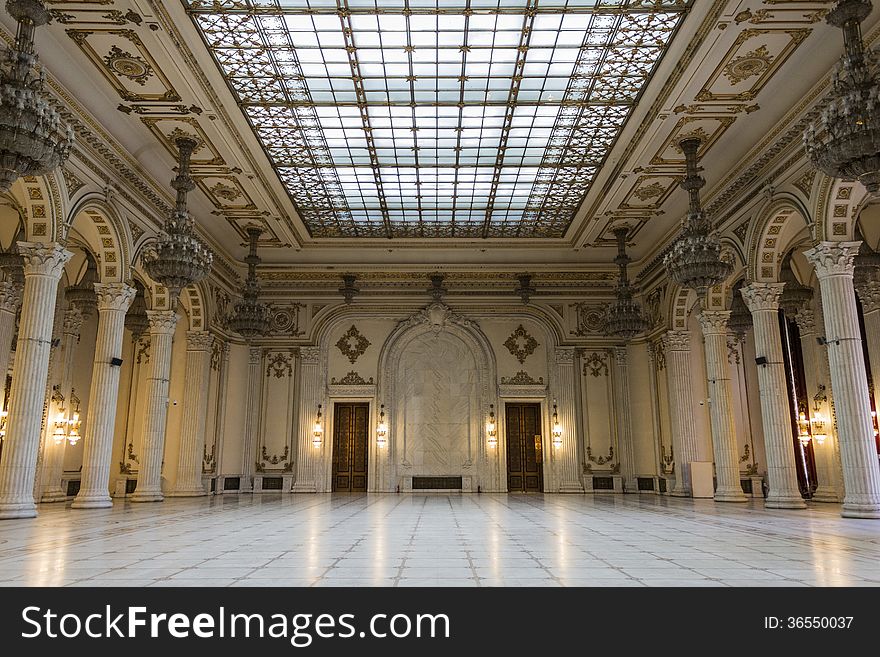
<point>521,344</point>
<point>279,364</point>
<point>351,379</point>
<point>522,378</point>
<point>352,344</point>
<point>596,364</point>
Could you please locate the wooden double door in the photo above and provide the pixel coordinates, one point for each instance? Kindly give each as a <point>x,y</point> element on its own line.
<point>525,469</point>
<point>350,447</point>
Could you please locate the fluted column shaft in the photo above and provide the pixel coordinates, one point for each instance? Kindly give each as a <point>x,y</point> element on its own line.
<point>681,409</point>
<point>565,457</point>
<point>252,419</point>
<point>624,419</point>
<point>222,396</point>
<point>43,264</point>
<point>53,463</point>
<point>94,492</point>
<point>869,295</point>
<point>195,415</point>
<point>861,475</point>
<point>10,300</point>
<point>149,481</point>
<point>826,489</point>
<point>308,457</point>
<point>727,488</point>
<point>762,300</point>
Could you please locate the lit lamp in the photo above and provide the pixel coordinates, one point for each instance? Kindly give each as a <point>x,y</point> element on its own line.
<point>318,430</point>
<point>492,427</point>
<point>3,417</point>
<point>818,428</point>
<point>557,428</point>
<point>874,423</point>
<point>59,434</point>
<point>804,429</point>
<point>382,428</point>
<point>73,435</point>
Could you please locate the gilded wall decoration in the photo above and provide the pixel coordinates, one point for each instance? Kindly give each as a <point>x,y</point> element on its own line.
<point>216,353</point>
<point>596,364</point>
<point>351,379</point>
<point>741,230</point>
<point>805,182</point>
<point>589,318</point>
<point>654,305</point>
<point>143,350</point>
<point>209,460</point>
<point>352,344</point>
<point>521,344</point>
<point>285,320</point>
<point>72,183</point>
<point>600,460</point>
<point>522,378</point>
<point>273,459</point>
<point>279,365</point>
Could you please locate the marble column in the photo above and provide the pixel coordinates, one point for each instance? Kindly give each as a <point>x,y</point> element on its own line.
<point>869,295</point>
<point>252,419</point>
<point>94,493</point>
<point>861,474</point>
<point>681,408</point>
<point>309,459</point>
<point>762,300</point>
<point>727,487</point>
<point>826,467</point>
<point>149,481</point>
<point>10,299</point>
<point>43,264</point>
<point>220,424</point>
<point>622,407</point>
<point>195,415</point>
<point>565,457</point>
<point>53,464</point>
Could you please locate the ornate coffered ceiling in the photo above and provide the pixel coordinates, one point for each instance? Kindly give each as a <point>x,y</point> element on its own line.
<point>317,120</point>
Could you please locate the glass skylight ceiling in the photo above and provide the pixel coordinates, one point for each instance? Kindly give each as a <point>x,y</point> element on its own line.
<point>437,118</point>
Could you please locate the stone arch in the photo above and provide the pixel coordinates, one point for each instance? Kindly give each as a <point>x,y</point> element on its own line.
<point>101,226</point>
<point>681,302</point>
<point>837,208</point>
<point>193,300</point>
<point>775,228</point>
<point>42,205</point>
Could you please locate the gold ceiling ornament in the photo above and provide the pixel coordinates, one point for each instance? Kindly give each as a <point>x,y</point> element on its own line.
<point>126,65</point>
<point>752,64</point>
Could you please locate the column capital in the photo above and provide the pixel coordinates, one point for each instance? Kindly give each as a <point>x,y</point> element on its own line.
<point>833,258</point>
<point>620,354</point>
<point>677,340</point>
<point>43,258</point>
<point>162,321</point>
<point>869,295</point>
<point>255,355</point>
<point>114,296</point>
<point>199,341</point>
<point>714,322</point>
<point>73,320</point>
<point>565,355</point>
<point>10,296</point>
<point>806,321</point>
<point>310,355</point>
<point>762,296</point>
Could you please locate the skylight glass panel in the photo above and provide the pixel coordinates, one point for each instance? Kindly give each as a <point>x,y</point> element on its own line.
<point>437,118</point>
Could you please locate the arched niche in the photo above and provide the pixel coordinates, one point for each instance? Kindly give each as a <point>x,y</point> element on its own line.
<point>99,224</point>
<point>778,227</point>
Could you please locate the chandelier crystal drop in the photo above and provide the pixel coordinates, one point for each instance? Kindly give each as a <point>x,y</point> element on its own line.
<point>179,258</point>
<point>136,320</point>
<point>33,140</point>
<point>82,294</point>
<point>250,318</point>
<point>695,259</point>
<point>844,141</point>
<point>624,316</point>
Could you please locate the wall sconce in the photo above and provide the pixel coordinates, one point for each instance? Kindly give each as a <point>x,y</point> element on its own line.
<point>381,428</point>
<point>4,415</point>
<point>318,430</point>
<point>66,428</point>
<point>874,424</point>
<point>804,429</point>
<point>818,428</point>
<point>557,428</point>
<point>492,427</point>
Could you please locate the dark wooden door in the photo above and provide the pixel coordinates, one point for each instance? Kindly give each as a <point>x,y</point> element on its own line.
<point>350,448</point>
<point>525,470</point>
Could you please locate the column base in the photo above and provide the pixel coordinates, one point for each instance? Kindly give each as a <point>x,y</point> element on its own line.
<point>304,487</point>
<point>571,487</point>
<point>53,496</point>
<point>850,510</point>
<point>14,510</point>
<point>92,502</point>
<point>727,495</point>
<point>826,494</point>
<point>773,502</point>
<point>147,496</point>
<point>190,492</point>
<point>680,493</point>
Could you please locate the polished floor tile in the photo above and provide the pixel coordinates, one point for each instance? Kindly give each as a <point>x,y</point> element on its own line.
<point>439,540</point>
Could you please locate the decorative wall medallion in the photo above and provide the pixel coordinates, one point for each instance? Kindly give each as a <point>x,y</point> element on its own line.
<point>746,66</point>
<point>596,364</point>
<point>226,192</point>
<point>352,344</point>
<point>126,65</point>
<point>279,365</point>
<point>351,379</point>
<point>285,319</point>
<point>143,350</point>
<point>521,344</point>
<point>522,378</point>
<point>588,319</point>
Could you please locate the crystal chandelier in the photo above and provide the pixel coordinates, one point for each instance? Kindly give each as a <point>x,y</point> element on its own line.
<point>250,318</point>
<point>844,141</point>
<point>179,257</point>
<point>525,290</point>
<point>866,264</point>
<point>82,294</point>
<point>136,320</point>
<point>740,320</point>
<point>695,259</point>
<point>348,289</point>
<point>11,262</point>
<point>32,138</point>
<point>624,316</point>
<point>794,296</point>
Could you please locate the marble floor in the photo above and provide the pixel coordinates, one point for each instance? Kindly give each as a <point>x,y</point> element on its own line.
<point>439,540</point>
